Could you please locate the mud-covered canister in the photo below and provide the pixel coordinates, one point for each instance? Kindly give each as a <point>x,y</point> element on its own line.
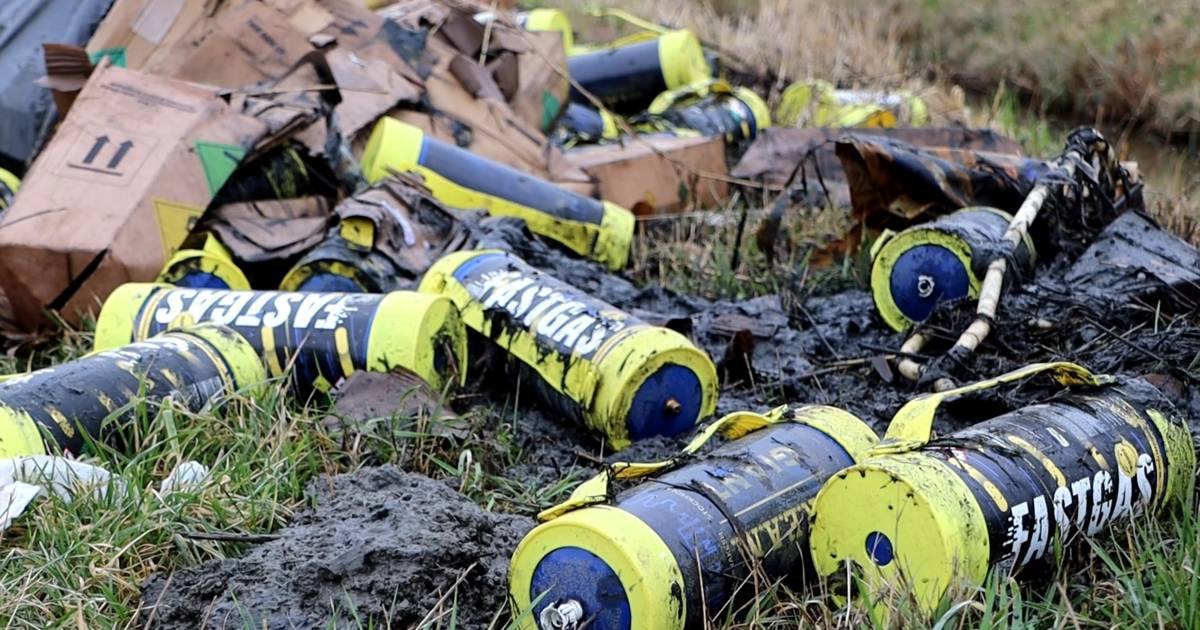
<point>335,266</point>
<point>581,123</point>
<point>322,337</point>
<point>669,552</point>
<point>921,516</point>
<point>623,378</point>
<point>9,185</point>
<point>59,407</point>
<point>712,108</point>
<point>627,78</point>
<point>460,179</point>
<point>345,262</point>
<point>211,266</point>
<point>817,103</point>
<point>942,260</point>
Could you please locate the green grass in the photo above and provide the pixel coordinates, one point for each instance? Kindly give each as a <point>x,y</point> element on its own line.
<point>66,564</point>
<point>82,564</point>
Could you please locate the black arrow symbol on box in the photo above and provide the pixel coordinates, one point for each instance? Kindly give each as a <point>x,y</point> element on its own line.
<point>122,149</point>
<point>91,155</point>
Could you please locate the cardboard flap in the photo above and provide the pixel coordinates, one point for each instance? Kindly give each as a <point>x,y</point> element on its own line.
<point>116,190</point>
<point>258,231</point>
<point>415,230</point>
<point>477,80</point>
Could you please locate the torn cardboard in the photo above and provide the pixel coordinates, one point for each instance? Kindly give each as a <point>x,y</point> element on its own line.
<point>657,174</point>
<point>271,230</point>
<point>470,115</point>
<point>777,151</point>
<point>116,191</point>
<point>259,47</point>
<point>386,238</point>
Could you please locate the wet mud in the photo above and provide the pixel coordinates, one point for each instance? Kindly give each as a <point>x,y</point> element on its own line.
<point>382,547</point>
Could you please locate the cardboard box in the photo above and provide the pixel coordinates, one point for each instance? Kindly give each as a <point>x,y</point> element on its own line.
<point>657,174</point>
<point>117,190</point>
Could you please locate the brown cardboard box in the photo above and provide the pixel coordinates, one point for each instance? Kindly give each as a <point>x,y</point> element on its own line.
<point>143,33</point>
<point>116,191</point>
<point>658,174</point>
<point>266,47</point>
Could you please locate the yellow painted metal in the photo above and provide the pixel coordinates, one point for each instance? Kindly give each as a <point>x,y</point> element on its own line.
<point>212,258</point>
<point>648,571</point>
<point>19,434</point>
<point>641,559</point>
<point>554,20</point>
<point>416,331</point>
<point>406,331</point>
<point>818,103</point>
<point>682,59</point>
<point>681,97</point>
<point>890,246</point>
<point>396,146</point>
<point>604,385</point>
<point>922,506</point>
<point>912,426</point>
<point>11,182</point>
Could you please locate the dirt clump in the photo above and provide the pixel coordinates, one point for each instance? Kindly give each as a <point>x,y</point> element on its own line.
<point>381,546</point>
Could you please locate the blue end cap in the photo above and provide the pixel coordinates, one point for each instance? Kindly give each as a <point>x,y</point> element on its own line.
<point>926,275</point>
<point>879,549</point>
<point>648,415</point>
<point>578,574</point>
<point>201,280</point>
<point>330,283</point>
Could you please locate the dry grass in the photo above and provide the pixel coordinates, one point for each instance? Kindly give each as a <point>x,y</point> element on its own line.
<point>1107,62</point>
<point>1111,61</point>
<point>787,40</point>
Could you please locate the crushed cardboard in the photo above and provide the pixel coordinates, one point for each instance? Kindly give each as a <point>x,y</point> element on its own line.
<point>261,231</point>
<point>658,174</point>
<point>777,151</point>
<point>117,190</point>
<point>409,231</point>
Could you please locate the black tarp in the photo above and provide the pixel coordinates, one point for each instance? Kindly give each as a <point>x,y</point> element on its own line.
<point>26,109</point>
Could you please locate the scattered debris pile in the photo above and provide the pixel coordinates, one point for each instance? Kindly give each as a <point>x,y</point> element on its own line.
<point>428,210</point>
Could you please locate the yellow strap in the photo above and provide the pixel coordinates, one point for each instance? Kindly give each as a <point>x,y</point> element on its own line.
<point>596,489</point>
<point>625,16</point>
<point>912,426</point>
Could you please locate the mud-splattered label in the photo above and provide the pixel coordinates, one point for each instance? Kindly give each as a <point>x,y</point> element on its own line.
<point>1087,504</point>
<point>559,317</point>
<point>1057,470</point>
<point>325,336</point>
<point>717,115</point>
<point>74,398</point>
<point>764,483</point>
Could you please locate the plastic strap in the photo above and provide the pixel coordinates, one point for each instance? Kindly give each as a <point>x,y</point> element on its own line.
<point>912,426</point>
<point>598,488</point>
<point>625,16</point>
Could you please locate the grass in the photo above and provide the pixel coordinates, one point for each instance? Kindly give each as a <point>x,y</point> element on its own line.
<point>1130,68</point>
<point>82,564</point>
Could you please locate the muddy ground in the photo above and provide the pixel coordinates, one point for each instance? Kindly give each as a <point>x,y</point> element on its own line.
<point>381,544</point>
<point>392,542</point>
